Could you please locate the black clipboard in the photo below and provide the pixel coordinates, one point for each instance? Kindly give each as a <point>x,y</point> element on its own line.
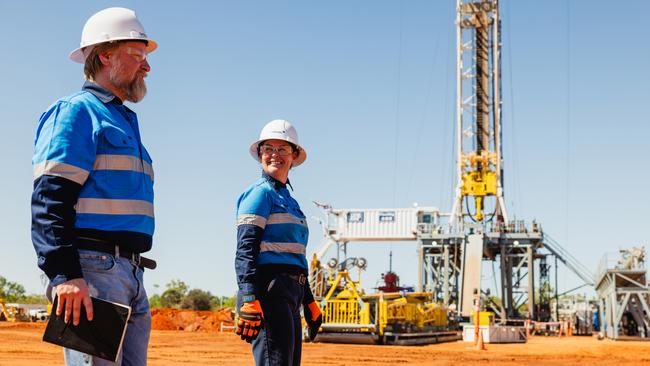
<point>101,337</point>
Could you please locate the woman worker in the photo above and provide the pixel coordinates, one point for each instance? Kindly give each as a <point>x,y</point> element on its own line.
<point>270,261</point>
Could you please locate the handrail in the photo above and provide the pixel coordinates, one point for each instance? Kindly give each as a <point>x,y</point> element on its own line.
<point>569,260</point>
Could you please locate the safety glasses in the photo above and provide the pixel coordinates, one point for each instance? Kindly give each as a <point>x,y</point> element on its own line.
<point>284,150</point>
<point>137,54</point>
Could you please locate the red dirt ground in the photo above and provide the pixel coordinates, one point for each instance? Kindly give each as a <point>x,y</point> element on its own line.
<point>20,344</point>
<point>189,320</point>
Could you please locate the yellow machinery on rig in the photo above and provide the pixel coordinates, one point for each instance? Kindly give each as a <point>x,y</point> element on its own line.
<point>402,318</point>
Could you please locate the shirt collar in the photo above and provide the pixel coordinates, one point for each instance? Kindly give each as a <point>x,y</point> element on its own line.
<point>102,94</point>
<point>276,183</point>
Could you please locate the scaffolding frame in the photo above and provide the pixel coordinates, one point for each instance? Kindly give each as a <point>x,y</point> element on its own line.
<point>624,296</point>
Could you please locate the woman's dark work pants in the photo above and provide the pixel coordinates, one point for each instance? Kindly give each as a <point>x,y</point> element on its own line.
<point>280,340</point>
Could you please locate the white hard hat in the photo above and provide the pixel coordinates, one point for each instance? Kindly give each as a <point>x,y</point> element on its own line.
<point>112,24</point>
<point>279,129</point>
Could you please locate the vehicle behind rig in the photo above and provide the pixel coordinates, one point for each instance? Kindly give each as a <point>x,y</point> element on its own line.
<point>352,316</point>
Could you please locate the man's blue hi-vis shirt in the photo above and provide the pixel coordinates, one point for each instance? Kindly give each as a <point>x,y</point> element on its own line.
<point>271,230</point>
<point>92,178</point>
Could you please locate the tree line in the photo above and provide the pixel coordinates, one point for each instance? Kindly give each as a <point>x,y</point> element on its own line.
<point>15,292</point>
<point>177,295</point>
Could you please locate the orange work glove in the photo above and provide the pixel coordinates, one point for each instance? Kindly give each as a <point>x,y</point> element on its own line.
<point>314,319</point>
<point>250,320</point>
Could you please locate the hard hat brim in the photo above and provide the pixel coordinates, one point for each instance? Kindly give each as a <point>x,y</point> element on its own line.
<point>78,54</point>
<point>302,154</point>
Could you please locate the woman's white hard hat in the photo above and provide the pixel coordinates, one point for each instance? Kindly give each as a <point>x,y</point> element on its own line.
<point>109,25</point>
<point>279,129</point>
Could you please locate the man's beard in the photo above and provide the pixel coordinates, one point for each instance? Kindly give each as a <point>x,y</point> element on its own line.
<point>134,89</point>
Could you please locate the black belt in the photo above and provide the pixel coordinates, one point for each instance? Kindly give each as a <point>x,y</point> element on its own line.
<point>301,278</point>
<point>268,271</point>
<point>102,246</point>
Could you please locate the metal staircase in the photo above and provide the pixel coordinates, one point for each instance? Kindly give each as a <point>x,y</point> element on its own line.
<point>569,260</point>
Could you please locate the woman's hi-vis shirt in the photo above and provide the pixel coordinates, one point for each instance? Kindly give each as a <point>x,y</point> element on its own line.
<point>271,230</point>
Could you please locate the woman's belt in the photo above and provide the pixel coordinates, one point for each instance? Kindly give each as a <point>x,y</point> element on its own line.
<point>301,278</point>
<point>269,271</point>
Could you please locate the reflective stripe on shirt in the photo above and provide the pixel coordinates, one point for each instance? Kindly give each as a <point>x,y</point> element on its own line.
<point>122,162</point>
<point>283,248</point>
<point>249,219</point>
<point>55,168</point>
<point>114,207</point>
<point>285,218</point>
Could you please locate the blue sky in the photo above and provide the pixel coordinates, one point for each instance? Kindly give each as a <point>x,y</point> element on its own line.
<point>347,75</point>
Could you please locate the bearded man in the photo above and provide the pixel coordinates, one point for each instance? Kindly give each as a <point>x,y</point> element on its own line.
<point>92,205</point>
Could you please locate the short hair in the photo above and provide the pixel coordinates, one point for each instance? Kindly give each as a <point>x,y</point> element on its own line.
<point>93,64</point>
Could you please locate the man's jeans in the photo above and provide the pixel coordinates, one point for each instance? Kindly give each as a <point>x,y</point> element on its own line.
<point>117,280</point>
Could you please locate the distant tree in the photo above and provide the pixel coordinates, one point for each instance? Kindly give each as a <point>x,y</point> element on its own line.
<point>15,292</point>
<point>33,299</point>
<point>197,299</point>
<point>155,301</point>
<point>11,291</point>
<point>229,302</point>
<point>173,296</point>
<point>177,295</point>
<point>217,302</point>
<point>178,285</point>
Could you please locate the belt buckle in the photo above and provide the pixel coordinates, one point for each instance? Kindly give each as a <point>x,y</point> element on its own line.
<point>302,279</point>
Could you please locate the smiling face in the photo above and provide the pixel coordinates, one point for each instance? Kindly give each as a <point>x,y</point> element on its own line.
<point>276,157</point>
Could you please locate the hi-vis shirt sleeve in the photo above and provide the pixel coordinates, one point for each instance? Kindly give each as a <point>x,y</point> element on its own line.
<point>64,153</point>
<point>253,210</point>
<point>65,144</point>
<point>254,207</point>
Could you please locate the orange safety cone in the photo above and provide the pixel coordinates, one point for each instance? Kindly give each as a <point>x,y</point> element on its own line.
<point>480,345</point>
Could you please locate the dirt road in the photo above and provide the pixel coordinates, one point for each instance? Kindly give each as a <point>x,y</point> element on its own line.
<point>20,344</point>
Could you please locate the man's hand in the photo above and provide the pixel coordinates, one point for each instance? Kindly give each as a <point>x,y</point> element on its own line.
<point>250,320</point>
<point>314,319</point>
<point>72,294</point>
